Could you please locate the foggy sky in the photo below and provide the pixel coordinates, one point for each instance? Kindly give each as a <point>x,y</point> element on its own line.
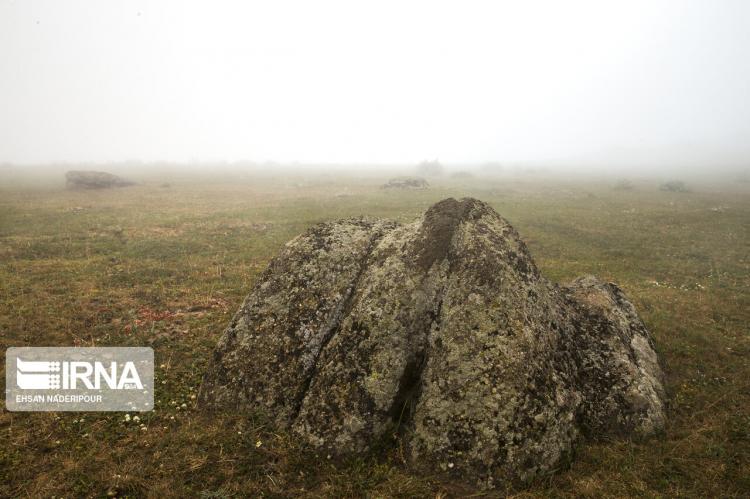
<point>323,81</point>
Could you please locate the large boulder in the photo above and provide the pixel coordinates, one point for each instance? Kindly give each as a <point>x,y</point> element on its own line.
<point>85,179</point>
<point>443,331</point>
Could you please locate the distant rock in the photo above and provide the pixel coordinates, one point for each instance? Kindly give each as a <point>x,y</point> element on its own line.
<point>84,179</point>
<point>442,331</point>
<point>623,185</point>
<point>674,186</point>
<point>406,183</point>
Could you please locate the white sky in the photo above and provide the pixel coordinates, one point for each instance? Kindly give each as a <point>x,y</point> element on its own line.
<point>376,81</point>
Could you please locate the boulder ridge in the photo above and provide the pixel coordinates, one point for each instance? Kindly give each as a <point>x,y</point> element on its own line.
<point>442,331</point>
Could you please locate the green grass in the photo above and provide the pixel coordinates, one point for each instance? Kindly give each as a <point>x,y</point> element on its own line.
<point>167,267</point>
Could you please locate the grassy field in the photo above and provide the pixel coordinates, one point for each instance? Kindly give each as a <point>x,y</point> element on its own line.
<point>166,266</point>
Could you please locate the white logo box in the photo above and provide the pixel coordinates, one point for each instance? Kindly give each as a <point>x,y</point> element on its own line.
<point>79,379</point>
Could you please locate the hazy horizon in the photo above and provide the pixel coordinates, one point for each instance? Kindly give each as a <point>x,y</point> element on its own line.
<point>600,84</point>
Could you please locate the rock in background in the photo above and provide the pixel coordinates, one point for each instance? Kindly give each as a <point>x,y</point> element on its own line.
<point>406,183</point>
<point>444,331</point>
<point>80,179</point>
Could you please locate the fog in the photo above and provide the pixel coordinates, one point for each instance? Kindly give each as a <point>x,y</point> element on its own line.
<point>607,85</point>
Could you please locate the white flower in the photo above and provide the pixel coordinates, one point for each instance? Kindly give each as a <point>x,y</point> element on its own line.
<point>258,443</point>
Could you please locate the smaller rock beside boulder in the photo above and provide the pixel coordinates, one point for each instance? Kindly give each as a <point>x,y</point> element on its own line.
<point>406,183</point>
<point>82,179</point>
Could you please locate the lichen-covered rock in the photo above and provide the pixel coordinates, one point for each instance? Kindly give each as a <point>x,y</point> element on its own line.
<point>442,330</point>
<point>84,179</point>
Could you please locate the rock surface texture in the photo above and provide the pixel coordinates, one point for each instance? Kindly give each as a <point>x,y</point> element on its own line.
<point>79,179</point>
<point>444,331</point>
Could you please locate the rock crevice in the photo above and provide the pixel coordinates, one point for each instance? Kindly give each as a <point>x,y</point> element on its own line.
<point>333,323</point>
<point>445,331</point>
